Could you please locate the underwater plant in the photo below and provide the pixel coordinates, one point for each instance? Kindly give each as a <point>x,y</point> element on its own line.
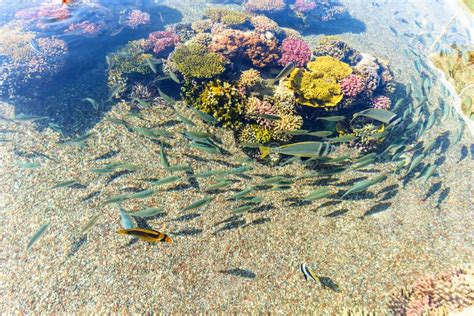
<point>195,61</point>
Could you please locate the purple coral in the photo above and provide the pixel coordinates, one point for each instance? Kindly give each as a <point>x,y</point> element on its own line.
<point>381,102</point>
<point>303,6</point>
<point>162,40</point>
<point>295,50</point>
<point>136,18</point>
<point>352,85</point>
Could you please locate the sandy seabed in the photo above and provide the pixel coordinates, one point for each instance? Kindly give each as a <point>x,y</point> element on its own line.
<point>364,246</point>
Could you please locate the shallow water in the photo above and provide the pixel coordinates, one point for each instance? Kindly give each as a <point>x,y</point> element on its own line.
<point>363,247</point>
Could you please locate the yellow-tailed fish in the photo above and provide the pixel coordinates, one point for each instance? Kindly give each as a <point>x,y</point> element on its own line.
<point>145,234</point>
<point>308,273</point>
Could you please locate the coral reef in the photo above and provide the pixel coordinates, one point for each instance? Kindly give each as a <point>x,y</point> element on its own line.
<point>317,86</point>
<point>226,16</point>
<point>302,6</point>
<point>263,24</point>
<point>331,46</point>
<point>295,50</point>
<point>264,5</point>
<point>222,100</point>
<point>87,28</point>
<point>135,18</point>
<point>194,61</point>
<point>381,102</point>
<point>352,85</point>
<point>161,41</point>
<point>448,292</point>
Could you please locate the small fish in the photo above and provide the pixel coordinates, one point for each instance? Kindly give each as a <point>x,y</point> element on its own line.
<point>166,97</point>
<point>91,223</point>
<point>142,194</point>
<point>342,139</point>
<point>151,65</point>
<point>284,72</point>
<point>268,117</point>
<point>415,162</point>
<point>205,147</point>
<point>218,185</point>
<point>198,203</point>
<point>272,180</point>
<point>185,120</point>
<point>364,184</point>
<point>143,103</point>
<point>40,232</point>
<point>57,128</point>
<point>78,141</point>
<point>173,76</point>
<point>147,212</point>
<point>34,45</point>
<point>28,165</point>
<point>464,153</point>
<point>428,172</point>
<point>363,163</point>
<point>93,102</point>
<point>297,132</point>
<point>206,117</point>
<point>126,220</point>
<point>394,31</point>
<point>166,180</point>
<point>164,161</point>
<point>115,90</point>
<point>318,194</point>
<point>179,168</point>
<point>242,193</point>
<point>117,199</point>
<point>211,173</point>
<point>25,117</point>
<point>242,209</point>
<point>320,133</point>
<point>332,118</point>
<point>303,149</point>
<point>308,273</point>
<point>145,234</point>
<point>117,31</point>
<point>380,115</point>
<point>65,184</point>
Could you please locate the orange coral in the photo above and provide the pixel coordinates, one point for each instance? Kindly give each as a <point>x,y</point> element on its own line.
<point>228,42</point>
<point>261,51</point>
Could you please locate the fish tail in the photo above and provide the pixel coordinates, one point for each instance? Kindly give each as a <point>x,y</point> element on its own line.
<point>264,151</point>
<point>168,240</point>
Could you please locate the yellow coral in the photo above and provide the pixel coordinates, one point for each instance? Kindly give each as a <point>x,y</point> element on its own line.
<point>249,78</point>
<point>317,85</point>
<point>327,66</point>
<point>255,133</point>
<point>194,61</point>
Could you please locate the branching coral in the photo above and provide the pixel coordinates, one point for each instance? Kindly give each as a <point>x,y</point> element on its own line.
<point>136,18</point>
<point>228,42</point>
<point>263,24</point>
<point>194,61</point>
<point>451,292</point>
<point>254,133</point>
<point>381,102</point>
<point>295,50</point>
<point>331,46</point>
<point>352,85</point>
<point>261,51</point>
<point>163,40</point>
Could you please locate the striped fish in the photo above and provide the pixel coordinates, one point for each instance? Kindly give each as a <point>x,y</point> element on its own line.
<point>308,273</point>
<point>145,234</point>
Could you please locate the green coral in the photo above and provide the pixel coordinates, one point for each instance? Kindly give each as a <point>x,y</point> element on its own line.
<point>195,61</point>
<point>130,59</point>
<point>219,99</point>
<point>226,16</point>
<point>318,86</point>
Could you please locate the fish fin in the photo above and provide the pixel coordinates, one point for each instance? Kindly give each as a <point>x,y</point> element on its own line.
<point>265,151</point>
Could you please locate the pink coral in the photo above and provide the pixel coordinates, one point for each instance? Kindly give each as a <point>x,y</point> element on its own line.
<point>257,106</point>
<point>381,102</point>
<point>265,5</point>
<point>136,18</point>
<point>55,12</point>
<point>352,85</point>
<point>295,50</point>
<point>85,27</point>
<point>162,40</point>
<point>303,6</point>
<point>261,51</point>
<point>263,24</point>
<point>228,42</point>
